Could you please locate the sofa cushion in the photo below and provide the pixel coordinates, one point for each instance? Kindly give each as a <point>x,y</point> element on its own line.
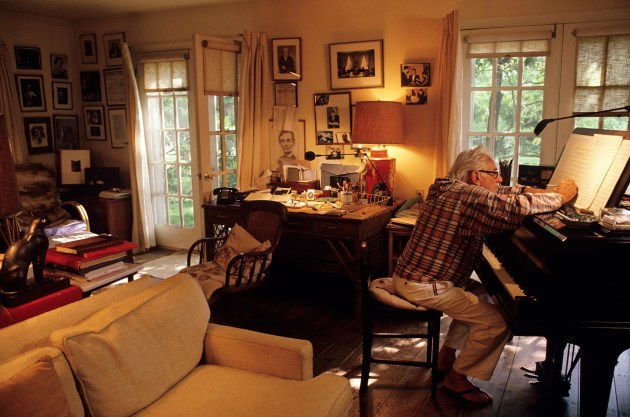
<point>218,391</point>
<point>129,354</point>
<point>24,378</point>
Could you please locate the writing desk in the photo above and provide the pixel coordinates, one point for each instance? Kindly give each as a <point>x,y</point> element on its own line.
<point>319,242</point>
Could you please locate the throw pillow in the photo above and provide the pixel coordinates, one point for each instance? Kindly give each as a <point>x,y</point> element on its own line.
<point>238,241</point>
<point>35,391</point>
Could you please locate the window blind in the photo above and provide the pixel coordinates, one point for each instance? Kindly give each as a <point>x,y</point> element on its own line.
<point>494,45</point>
<point>221,66</point>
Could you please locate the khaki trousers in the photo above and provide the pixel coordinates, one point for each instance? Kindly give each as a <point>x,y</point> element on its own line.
<point>477,330</point>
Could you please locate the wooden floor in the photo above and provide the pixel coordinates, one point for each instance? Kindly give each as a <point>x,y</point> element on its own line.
<point>320,309</point>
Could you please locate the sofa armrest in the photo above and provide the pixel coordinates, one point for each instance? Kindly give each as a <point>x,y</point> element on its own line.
<point>262,353</point>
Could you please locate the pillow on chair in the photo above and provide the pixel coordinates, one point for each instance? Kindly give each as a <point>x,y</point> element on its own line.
<point>238,241</point>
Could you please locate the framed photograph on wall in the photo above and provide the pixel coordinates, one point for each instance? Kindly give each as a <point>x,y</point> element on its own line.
<point>31,91</point>
<point>94,123</point>
<point>287,145</point>
<point>416,96</point>
<point>59,66</point>
<point>88,49</point>
<point>37,133</point>
<point>333,115</point>
<point>117,120</point>
<point>90,86</point>
<point>113,48</point>
<point>28,58</point>
<point>356,64</point>
<point>287,59</point>
<point>62,95</point>
<point>115,91</point>
<point>415,75</point>
<point>286,94</point>
<point>334,151</point>
<point>66,132</point>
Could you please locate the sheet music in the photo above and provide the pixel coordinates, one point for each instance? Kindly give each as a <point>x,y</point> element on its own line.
<point>613,175</point>
<point>587,159</point>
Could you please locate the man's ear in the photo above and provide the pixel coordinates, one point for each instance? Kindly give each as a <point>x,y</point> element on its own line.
<point>474,177</point>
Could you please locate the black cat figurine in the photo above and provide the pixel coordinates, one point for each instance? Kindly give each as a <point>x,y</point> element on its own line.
<point>30,249</point>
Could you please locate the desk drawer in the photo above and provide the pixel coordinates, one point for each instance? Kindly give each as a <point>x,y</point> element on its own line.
<point>303,225</point>
<point>334,228</point>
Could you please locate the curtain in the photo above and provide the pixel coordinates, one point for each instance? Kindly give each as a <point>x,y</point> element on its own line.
<point>143,231</point>
<point>253,123</point>
<point>448,129</point>
<point>9,107</point>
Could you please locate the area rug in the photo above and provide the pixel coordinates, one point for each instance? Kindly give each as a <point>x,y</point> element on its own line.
<point>164,267</point>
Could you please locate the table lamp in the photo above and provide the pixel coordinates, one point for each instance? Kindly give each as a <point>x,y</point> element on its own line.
<point>10,206</point>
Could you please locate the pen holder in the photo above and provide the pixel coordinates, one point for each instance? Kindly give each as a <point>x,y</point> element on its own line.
<point>346,197</point>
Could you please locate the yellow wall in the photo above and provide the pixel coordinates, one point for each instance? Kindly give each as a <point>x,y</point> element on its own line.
<point>411,31</point>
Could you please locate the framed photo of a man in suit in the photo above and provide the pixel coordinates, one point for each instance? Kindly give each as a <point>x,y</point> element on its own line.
<point>287,59</point>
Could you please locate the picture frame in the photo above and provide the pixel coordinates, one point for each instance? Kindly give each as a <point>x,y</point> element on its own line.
<point>415,75</point>
<point>415,96</point>
<point>27,57</point>
<point>38,135</point>
<point>277,151</point>
<point>333,115</point>
<point>286,94</point>
<point>62,95</point>
<point>117,120</point>
<point>112,43</point>
<point>334,152</point>
<point>90,86</point>
<point>88,49</point>
<point>356,64</point>
<point>286,59</point>
<point>31,92</point>
<point>59,66</point>
<point>94,123</point>
<point>66,132</point>
<point>115,91</point>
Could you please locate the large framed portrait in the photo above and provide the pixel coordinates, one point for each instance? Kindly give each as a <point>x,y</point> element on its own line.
<point>31,91</point>
<point>62,95</point>
<point>94,123</point>
<point>90,86</point>
<point>287,145</point>
<point>415,75</point>
<point>88,49</point>
<point>66,132</point>
<point>37,133</point>
<point>356,64</point>
<point>333,118</point>
<point>113,48</point>
<point>28,58</point>
<point>287,59</point>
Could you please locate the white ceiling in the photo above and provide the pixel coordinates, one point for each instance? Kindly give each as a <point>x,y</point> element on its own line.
<point>86,9</point>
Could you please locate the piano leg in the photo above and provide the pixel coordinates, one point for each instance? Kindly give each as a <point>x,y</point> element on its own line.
<point>597,369</point>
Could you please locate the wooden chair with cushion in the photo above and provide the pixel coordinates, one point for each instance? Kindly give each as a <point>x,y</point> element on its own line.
<point>379,303</point>
<point>238,261</point>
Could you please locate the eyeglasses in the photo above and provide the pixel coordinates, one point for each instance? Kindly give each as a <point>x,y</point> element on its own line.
<point>493,174</point>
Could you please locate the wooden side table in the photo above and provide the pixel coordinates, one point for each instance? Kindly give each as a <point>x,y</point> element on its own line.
<point>113,216</point>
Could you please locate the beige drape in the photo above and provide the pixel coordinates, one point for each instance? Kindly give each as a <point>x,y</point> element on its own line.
<point>143,231</point>
<point>448,129</point>
<point>254,115</point>
<point>9,106</point>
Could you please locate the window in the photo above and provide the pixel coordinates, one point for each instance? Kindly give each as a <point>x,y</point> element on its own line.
<point>165,86</point>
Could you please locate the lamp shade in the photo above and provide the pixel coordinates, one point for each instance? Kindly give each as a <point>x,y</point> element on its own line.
<point>378,122</point>
<point>9,197</point>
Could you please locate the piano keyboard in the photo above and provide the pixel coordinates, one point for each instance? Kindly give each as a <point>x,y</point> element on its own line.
<point>512,287</point>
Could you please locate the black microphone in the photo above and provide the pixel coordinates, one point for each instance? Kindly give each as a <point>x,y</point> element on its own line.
<point>310,156</point>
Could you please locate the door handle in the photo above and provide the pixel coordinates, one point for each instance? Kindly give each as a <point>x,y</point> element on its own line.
<point>206,176</point>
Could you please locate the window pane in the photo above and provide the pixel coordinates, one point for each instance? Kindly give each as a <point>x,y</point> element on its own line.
<point>531,109</point>
<point>184,146</point>
<point>160,210</point>
<point>482,72</point>
<point>186,175</point>
<point>505,111</point>
<point>230,150</point>
<point>169,113</point>
<point>231,180</point>
<point>588,122</point>
<point>529,151</point>
<point>214,118</point>
<point>173,179</point>
<point>534,71</point>
<point>507,71</point>
<point>155,143</point>
<point>170,146</point>
<point>481,111</point>
<point>228,108</point>
<point>616,123</point>
<point>504,148</point>
<point>215,148</point>
<point>157,178</point>
<point>189,218</point>
<point>182,113</point>
<point>480,140</point>
<point>173,211</point>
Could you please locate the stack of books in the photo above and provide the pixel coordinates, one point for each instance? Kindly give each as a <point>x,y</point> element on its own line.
<point>89,258</point>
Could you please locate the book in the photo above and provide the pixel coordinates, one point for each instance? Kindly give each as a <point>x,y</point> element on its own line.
<point>104,270</point>
<point>280,194</point>
<point>123,247</point>
<point>90,244</point>
<point>107,260</point>
<point>76,262</point>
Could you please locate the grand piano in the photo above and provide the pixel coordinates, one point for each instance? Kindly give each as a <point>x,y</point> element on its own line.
<point>570,283</point>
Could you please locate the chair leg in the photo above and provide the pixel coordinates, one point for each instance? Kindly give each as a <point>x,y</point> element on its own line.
<point>434,347</point>
<point>366,360</point>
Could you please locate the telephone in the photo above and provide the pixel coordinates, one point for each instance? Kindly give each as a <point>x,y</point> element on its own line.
<point>225,195</point>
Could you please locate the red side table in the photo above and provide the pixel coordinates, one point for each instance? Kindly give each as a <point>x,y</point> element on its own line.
<point>11,315</point>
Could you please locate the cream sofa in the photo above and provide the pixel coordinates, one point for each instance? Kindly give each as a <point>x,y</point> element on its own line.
<point>146,349</point>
